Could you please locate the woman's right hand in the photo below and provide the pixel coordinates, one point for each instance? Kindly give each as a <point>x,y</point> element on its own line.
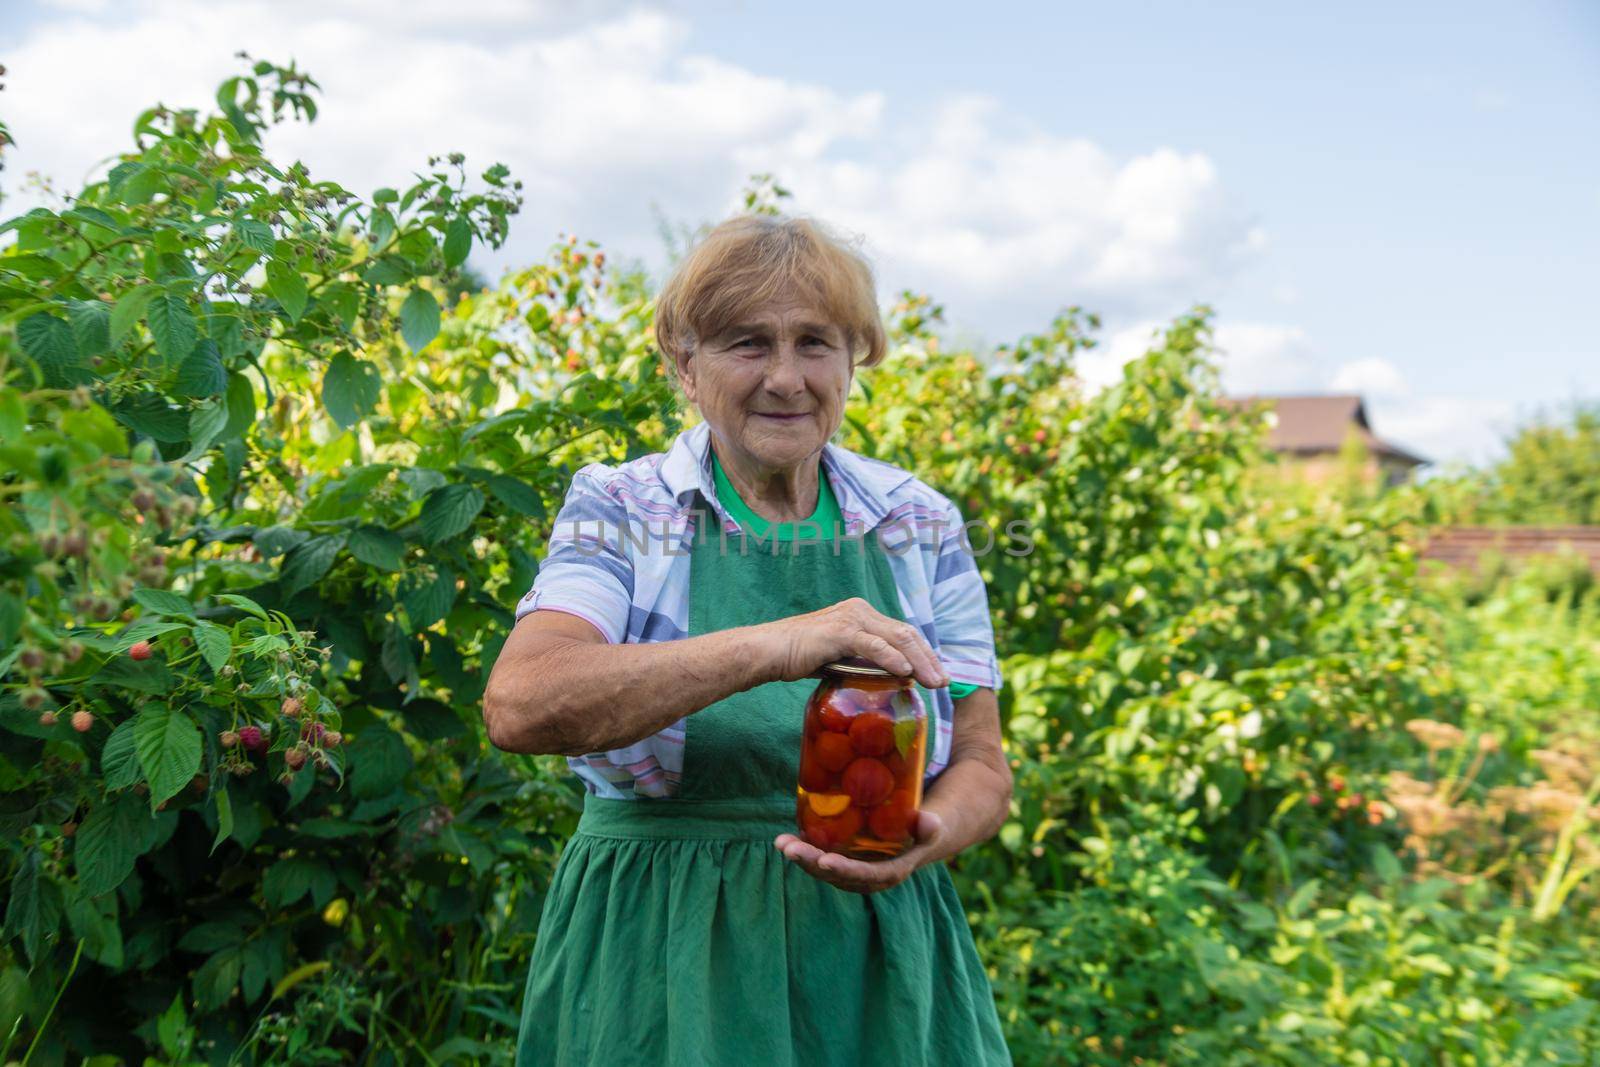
<point>803,643</point>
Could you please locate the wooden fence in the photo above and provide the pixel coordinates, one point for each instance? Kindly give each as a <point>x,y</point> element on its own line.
<point>1460,546</point>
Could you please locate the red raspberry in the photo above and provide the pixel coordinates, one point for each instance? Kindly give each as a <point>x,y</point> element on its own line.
<point>250,737</point>
<point>139,650</point>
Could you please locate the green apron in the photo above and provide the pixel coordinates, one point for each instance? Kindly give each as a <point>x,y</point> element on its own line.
<point>674,933</point>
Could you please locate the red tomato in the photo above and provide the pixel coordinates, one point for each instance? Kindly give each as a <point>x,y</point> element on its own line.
<point>814,828</point>
<point>830,834</point>
<point>832,752</point>
<point>815,778</point>
<point>844,827</point>
<point>832,717</point>
<point>868,782</point>
<point>891,820</point>
<point>872,733</point>
<point>898,766</point>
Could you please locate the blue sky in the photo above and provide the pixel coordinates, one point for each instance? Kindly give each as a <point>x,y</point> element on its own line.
<point>1398,200</point>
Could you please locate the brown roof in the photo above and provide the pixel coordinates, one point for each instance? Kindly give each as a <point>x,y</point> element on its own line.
<point>1318,423</point>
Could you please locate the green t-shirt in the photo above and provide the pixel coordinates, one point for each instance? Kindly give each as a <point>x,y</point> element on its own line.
<point>825,520</point>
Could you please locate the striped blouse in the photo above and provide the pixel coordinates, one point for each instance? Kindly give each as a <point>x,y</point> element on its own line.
<point>619,559</point>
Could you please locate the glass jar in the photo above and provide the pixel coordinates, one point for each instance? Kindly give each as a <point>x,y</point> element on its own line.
<point>862,754</point>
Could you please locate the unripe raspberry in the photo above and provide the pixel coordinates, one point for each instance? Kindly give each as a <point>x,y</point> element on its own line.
<point>198,783</point>
<point>69,828</point>
<point>82,720</point>
<point>292,707</point>
<point>332,738</point>
<point>46,718</point>
<point>140,650</point>
<point>72,651</point>
<point>295,758</point>
<point>143,499</point>
<point>229,738</point>
<point>252,739</point>
<point>140,788</point>
<point>31,659</point>
<point>32,698</point>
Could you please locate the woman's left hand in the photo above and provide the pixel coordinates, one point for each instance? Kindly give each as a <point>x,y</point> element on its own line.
<point>866,876</point>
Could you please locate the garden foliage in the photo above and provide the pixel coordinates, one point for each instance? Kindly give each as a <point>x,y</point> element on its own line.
<point>273,488</point>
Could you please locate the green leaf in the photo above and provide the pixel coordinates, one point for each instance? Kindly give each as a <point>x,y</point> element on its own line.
<point>145,630</point>
<point>254,234</point>
<point>379,761</point>
<point>205,423</point>
<point>202,373</point>
<point>104,851</point>
<point>129,309</point>
<point>95,921</point>
<point>119,760</point>
<point>350,389</point>
<point>396,657</point>
<point>287,287</point>
<point>224,816</point>
<point>48,341</point>
<point>343,301</point>
<point>172,325</point>
<point>213,936</point>
<point>91,325</point>
<point>94,425</point>
<point>290,879</point>
<point>377,547</point>
<point>216,979</point>
<point>457,241</point>
<point>449,511</point>
<point>214,642</point>
<point>34,908</point>
<point>305,564</point>
<point>168,743</point>
<point>151,415</point>
<point>164,602</point>
<point>120,672</point>
<point>419,319</point>
<point>244,604</point>
<point>241,406</point>
<point>430,600</point>
<point>13,416</point>
<point>517,495</point>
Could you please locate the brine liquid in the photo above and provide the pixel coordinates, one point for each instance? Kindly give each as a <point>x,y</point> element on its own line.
<point>861,766</point>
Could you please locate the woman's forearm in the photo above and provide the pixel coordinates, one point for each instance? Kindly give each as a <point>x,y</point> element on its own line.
<point>972,799</point>
<point>972,796</point>
<point>557,689</point>
<point>577,696</point>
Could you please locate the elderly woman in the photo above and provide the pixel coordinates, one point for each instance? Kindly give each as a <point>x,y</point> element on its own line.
<point>668,648</point>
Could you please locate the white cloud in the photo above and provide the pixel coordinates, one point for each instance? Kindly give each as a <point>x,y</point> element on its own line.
<point>1370,377</point>
<point>604,111</point>
<point>1445,428</point>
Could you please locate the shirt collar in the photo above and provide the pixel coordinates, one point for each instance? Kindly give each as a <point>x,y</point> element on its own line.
<point>861,486</point>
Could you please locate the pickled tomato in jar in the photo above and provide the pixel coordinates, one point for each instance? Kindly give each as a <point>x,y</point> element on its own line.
<point>863,748</point>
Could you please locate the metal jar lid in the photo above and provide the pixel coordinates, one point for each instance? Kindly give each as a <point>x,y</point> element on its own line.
<point>855,667</point>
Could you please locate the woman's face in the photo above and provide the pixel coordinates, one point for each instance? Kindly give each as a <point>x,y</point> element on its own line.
<point>773,386</point>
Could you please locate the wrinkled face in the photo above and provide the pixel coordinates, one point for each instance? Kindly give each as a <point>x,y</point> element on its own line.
<point>773,386</point>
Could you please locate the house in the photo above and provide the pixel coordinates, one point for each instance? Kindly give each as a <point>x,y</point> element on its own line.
<point>1311,433</point>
